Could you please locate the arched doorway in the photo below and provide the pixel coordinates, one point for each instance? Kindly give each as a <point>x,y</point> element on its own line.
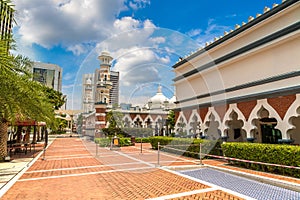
<point>269,134</point>
<point>266,131</point>
<point>195,127</point>
<point>235,133</point>
<point>212,132</point>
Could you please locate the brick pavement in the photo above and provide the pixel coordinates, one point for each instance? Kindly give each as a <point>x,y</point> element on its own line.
<point>73,169</point>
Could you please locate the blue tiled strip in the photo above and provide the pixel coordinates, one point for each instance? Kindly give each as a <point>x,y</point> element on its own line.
<point>251,188</point>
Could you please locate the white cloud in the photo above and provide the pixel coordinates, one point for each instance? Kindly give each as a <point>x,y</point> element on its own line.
<point>77,49</point>
<point>66,22</point>
<point>194,32</point>
<point>213,30</point>
<point>126,24</point>
<point>137,4</point>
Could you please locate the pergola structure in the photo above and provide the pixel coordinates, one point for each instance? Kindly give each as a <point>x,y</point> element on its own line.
<point>69,118</point>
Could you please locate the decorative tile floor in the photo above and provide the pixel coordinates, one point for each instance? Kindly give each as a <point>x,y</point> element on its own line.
<point>242,185</point>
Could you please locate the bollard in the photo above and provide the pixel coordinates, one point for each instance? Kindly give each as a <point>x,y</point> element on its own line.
<point>141,145</point>
<point>200,149</point>
<point>96,149</point>
<point>44,154</point>
<point>158,154</point>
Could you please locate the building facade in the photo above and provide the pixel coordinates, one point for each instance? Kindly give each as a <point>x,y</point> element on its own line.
<point>48,74</point>
<point>152,115</point>
<point>114,92</point>
<point>101,95</point>
<point>245,85</point>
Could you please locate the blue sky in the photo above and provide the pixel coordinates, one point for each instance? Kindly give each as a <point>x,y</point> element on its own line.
<point>145,37</point>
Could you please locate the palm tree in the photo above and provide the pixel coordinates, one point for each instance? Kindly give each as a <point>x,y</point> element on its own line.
<point>21,98</point>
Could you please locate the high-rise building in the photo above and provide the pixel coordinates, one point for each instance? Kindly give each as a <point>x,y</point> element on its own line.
<point>48,74</point>
<point>88,91</point>
<point>114,92</point>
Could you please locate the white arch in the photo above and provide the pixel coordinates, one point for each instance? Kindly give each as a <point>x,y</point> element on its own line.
<point>292,112</point>
<point>127,116</point>
<point>211,111</point>
<point>281,125</point>
<point>232,108</point>
<point>263,103</point>
<point>194,113</point>
<point>181,115</point>
<point>138,117</point>
<point>151,120</point>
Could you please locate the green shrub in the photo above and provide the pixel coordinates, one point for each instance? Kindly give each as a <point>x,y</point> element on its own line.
<point>125,142</point>
<point>268,153</point>
<point>186,146</point>
<point>138,132</point>
<point>145,140</point>
<point>103,142</point>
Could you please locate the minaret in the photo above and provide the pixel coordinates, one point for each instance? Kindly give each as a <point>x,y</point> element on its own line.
<point>103,86</point>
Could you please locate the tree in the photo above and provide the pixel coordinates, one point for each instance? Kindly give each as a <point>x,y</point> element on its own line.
<point>171,120</point>
<point>21,98</point>
<point>56,98</point>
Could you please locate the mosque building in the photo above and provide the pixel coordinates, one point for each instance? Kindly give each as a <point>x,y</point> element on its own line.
<point>100,95</point>
<point>245,85</point>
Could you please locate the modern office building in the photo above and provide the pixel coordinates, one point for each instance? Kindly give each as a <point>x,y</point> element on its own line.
<point>48,74</point>
<point>245,85</point>
<point>114,92</point>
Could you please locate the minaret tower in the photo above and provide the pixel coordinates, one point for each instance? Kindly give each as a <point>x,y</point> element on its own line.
<point>103,86</point>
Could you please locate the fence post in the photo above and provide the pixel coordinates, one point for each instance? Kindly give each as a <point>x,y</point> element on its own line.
<point>200,152</point>
<point>141,145</point>
<point>96,149</point>
<point>158,154</point>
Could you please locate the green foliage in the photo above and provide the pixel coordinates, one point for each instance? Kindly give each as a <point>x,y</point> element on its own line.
<point>185,146</point>
<point>268,153</point>
<point>125,142</point>
<point>105,142</point>
<point>114,118</point>
<point>144,140</point>
<point>58,132</point>
<point>56,98</point>
<point>171,119</point>
<point>110,132</point>
<point>138,132</point>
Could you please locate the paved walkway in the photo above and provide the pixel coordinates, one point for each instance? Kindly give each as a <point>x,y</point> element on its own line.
<point>75,168</point>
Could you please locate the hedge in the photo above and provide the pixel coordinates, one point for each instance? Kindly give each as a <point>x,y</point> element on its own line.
<point>105,142</point>
<point>268,153</point>
<point>185,146</point>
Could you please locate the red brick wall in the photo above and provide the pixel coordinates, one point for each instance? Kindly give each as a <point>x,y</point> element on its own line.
<point>246,107</point>
<point>132,116</point>
<point>176,115</point>
<point>281,104</point>
<point>221,110</point>
<point>202,112</point>
<point>187,114</point>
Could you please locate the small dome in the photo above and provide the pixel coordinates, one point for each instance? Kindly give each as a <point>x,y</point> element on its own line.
<point>105,53</point>
<point>158,100</point>
<point>89,82</point>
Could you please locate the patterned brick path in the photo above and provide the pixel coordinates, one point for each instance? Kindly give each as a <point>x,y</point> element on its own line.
<point>77,169</point>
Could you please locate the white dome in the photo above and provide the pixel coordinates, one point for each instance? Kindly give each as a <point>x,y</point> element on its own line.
<point>158,100</point>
